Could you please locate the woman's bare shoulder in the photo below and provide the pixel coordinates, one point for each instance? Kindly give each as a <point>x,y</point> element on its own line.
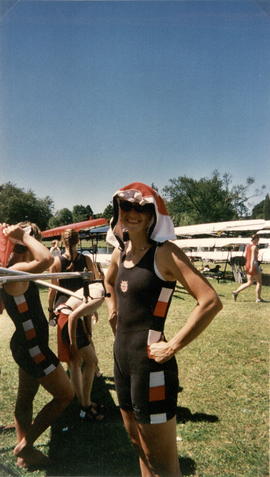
<point>170,249</point>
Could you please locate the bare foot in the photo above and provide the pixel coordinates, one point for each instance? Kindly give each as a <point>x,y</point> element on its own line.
<point>28,456</point>
<point>21,463</point>
<point>234,295</point>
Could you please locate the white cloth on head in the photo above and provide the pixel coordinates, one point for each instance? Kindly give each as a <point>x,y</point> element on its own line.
<point>142,194</point>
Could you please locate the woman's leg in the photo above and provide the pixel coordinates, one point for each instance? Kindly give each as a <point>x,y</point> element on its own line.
<point>159,445</point>
<point>27,389</point>
<point>88,373</point>
<point>58,385</point>
<point>258,278</point>
<point>132,430</point>
<point>250,281</point>
<point>75,369</point>
<point>156,446</point>
<point>89,409</point>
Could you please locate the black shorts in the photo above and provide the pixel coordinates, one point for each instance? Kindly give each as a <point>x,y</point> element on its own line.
<point>38,361</point>
<point>147,388</point>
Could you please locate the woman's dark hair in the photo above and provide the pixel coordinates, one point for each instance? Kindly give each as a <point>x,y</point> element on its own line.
<point>254,237</point>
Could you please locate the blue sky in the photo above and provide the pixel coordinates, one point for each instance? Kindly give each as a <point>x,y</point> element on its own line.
<point>95,95</point>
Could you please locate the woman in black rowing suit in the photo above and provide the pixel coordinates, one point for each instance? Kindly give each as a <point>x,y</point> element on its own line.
<point>80,354</point>
<point>141,279</point>
<point>29,346</point>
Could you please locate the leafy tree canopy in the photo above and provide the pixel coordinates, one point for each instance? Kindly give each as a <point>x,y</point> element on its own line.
<point>16,205</point>
<point>262,209</point>
<point>213,199</point>
<point>61,217</point>
<point>266,208</point>
<point>81,213</point>
<point>65,216</point>
<point>108,212</point>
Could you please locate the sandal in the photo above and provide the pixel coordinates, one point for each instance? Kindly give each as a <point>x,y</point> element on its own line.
<point>98,406</point>
<point>92,413</point>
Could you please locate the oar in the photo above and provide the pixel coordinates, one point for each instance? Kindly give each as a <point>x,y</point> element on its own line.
<point>16,275</point>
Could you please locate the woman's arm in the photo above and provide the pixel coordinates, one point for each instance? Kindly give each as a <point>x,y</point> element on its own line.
<point>174,265</point>
<point>37,260</point>
<point>110,278</point>
<point>90,266</point>
<point>40,259</point>
<point>80,309</point>
<point>55,268</point>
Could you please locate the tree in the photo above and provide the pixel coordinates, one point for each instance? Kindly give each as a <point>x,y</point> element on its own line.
<point>62,217</point>
<point>266,208</point>
<point>262,209</point>
<point>257,211</point>
<point>108,211</point>
<point>16,205</point>
<point>81,213</point>
<point>192,201</point>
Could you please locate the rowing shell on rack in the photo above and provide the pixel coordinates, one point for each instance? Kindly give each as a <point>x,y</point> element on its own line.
<point>16,276</point>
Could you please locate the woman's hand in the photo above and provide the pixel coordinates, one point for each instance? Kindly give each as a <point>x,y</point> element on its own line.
<point>15,233</point>
<point>160,351</point>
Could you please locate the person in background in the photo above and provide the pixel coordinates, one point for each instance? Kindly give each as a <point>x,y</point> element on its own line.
<point>141,279</point>
<point>82,361</point>
<point>38,365</point>
<point>253,270</point>
<point>55,250</point>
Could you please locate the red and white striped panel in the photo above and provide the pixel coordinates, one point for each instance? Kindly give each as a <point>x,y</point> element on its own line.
<point>157,386</point>
<point>21,303</point>
<point>36,354</point>
<point>163,301</point>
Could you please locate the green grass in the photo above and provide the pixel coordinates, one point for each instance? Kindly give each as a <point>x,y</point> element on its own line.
<point>222,421</point>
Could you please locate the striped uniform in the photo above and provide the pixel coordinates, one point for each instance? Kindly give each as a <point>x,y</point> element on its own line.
<point>29,343</point>
<point>147,388</point>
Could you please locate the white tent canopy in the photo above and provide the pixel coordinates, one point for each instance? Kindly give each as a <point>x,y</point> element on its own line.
<point>216,242</point>
<point>210,248</point>
<point>219,227</point>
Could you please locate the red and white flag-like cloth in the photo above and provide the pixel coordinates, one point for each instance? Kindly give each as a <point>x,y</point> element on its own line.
<point>163,228</point>
<point>6,247</point>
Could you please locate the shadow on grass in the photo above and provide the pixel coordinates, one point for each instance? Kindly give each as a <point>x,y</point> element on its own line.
<point>188,466</point>
<point>100,449</point>
<point>184,415</point>
<point>92,448</point>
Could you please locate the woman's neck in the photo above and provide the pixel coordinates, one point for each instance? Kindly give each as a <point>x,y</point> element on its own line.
<point>71,253</point>
<point>138,244</point>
